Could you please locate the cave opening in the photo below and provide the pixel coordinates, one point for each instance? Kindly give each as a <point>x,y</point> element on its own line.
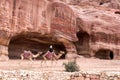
<point>117,12</point>
<point>101,3</point>
<point>35,44</point>
<point>82,45</point>
<point>104,54</point>
<point>111,55</point>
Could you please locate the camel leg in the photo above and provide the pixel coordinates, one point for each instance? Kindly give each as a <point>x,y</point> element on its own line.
<point>45,63</point>
<point>55,61</point>
<point>42,61</point>
<point>21,57</point>
<point>30,59</point>
<point>52,61</point>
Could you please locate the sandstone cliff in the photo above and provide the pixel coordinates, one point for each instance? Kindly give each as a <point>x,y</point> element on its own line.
<point>85,27</point>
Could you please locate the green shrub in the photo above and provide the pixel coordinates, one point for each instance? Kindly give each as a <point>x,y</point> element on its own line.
<point>71,66</point>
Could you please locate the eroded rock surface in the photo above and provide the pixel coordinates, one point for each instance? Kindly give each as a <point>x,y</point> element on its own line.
<point>84,27</point>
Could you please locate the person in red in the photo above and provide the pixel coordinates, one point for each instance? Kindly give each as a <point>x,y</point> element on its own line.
<point>50,54</point>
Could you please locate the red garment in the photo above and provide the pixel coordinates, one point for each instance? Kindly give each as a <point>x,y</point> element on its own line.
<point>26,55</point>
<point>49,55</point>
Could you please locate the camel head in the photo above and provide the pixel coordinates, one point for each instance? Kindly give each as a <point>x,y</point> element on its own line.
<point>62,52</point>
<point>40,52</point>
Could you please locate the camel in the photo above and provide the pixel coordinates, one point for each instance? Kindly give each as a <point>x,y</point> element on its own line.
<point>29,55</point>
<point>53,57</point>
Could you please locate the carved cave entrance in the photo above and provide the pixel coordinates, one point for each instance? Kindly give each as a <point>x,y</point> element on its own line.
<point>104,54</point>
<point>35,44</point>
<point>82,44</point>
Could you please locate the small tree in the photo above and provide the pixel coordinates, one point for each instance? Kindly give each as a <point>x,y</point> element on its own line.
<point>71,66</point>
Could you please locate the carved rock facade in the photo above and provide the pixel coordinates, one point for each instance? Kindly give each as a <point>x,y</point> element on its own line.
<point>88,30</point>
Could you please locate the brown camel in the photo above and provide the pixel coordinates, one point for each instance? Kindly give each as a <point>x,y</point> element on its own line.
<point>52,57</point>
<point>29,55</point>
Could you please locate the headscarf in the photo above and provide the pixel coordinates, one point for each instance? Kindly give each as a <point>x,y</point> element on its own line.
<point>51,48</point>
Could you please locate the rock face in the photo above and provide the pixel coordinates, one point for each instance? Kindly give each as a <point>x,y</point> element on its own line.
<point>84,27</point>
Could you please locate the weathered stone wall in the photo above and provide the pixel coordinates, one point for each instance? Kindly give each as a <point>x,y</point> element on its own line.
<point>57,23</point>
<point>96,23</point>
<point>115,4</point>
<point>82,44</point>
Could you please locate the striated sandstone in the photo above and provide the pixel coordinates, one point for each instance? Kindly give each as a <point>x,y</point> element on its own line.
<point>84,27</point>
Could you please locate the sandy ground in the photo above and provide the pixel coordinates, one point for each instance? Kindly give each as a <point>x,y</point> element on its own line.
<point>84,64</point>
